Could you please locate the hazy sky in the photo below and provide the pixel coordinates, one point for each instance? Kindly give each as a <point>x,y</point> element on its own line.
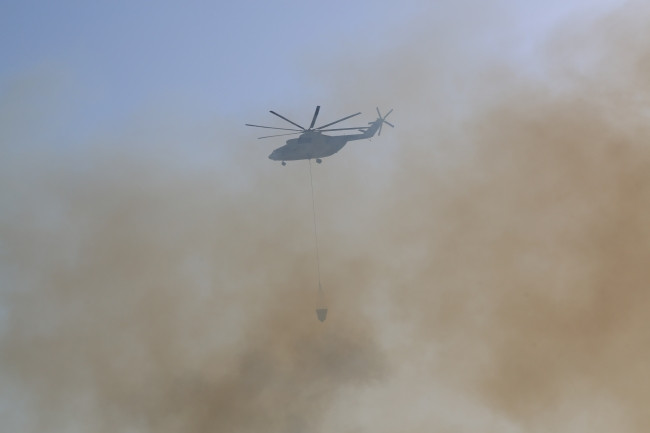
<point>484,262</point>
<point>214,58</point>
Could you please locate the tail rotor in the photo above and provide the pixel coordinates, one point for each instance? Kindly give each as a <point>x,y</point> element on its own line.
<point>383,120</point>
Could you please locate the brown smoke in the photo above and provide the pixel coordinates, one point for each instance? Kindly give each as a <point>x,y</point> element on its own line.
<point>150,300</point>
<point>485,261</point>
<point>522,259</point>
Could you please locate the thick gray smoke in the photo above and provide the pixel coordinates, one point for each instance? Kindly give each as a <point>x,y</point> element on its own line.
<point>485,262</point>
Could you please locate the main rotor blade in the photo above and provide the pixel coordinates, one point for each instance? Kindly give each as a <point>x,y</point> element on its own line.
<point>389,124</point>
<point>280,135</point>
<point>391,110</point>
<point>340,120</point>
<point>378,112</point>
<point>282,117</point>
<point>343,129</point>
<point>272,127</point>
<point>315,116</point>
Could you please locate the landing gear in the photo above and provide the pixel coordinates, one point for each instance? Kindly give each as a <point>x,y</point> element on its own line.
<point>318,160</point>
<point>284,163</point>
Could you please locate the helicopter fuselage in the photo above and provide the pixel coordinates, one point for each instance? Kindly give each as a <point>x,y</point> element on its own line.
<point>315,145</point>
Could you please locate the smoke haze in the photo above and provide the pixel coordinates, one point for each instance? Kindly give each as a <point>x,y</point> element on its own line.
<point>485,262</point>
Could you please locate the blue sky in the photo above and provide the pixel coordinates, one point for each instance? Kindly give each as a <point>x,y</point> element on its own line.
<point>215,57</point>
<point>208,56</point>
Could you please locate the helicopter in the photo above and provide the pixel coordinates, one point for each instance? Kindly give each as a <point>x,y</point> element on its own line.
<point>313,144</point>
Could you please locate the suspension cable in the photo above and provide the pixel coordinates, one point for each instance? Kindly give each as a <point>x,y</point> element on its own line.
<point>313,208</point>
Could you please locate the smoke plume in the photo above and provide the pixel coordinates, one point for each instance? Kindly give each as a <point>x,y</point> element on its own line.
<point>485,262</point>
